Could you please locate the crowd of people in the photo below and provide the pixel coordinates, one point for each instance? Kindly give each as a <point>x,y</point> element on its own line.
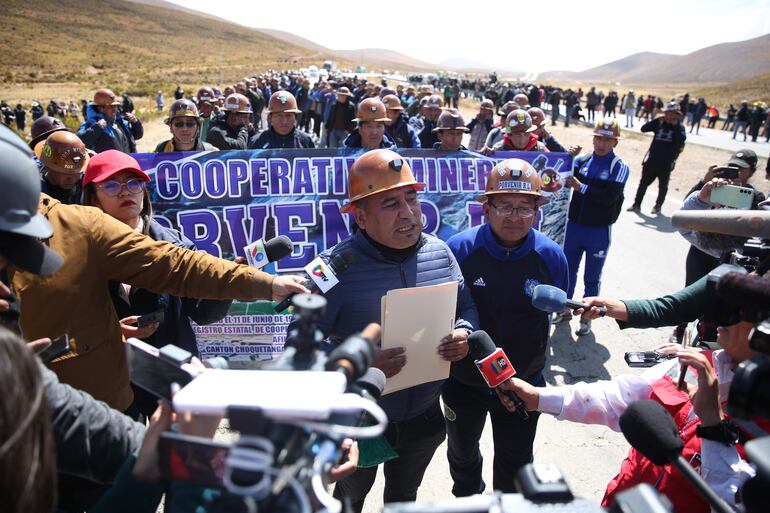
<point>82,254</point>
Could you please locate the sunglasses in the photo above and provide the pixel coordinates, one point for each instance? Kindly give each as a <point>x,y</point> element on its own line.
<point>113,188</point>
<point>186,124</point>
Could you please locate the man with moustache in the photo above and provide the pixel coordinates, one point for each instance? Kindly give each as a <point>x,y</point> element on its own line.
<point>503,260</point>
<point>391,251</point>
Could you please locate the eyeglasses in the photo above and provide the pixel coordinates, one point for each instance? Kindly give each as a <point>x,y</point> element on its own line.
<point>506,210</point>
<point>113,188</point>
<point>187,124</point>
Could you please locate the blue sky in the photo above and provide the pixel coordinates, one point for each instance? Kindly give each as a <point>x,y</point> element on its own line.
<point>558,34</point>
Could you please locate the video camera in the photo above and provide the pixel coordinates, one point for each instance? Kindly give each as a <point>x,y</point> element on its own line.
<point>291,424</point>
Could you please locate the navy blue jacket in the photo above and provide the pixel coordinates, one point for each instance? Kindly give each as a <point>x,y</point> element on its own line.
<point>599,200</point>
<point>501,281</point>
<point>356,301</point>
<point>401,132</point>
<point>354,141</point>
<point>271,139</point>
<point>175,328</point>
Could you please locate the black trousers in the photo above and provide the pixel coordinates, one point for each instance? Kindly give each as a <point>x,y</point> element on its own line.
<point>698,265</point>
<point>415,440</point>
<point>466,411</point>
<point>652,170</point>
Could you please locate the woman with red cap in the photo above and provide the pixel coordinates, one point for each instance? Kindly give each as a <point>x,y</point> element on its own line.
<point>116,184</point>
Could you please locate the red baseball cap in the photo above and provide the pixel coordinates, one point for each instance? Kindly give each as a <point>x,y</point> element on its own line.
<point>104,165</point>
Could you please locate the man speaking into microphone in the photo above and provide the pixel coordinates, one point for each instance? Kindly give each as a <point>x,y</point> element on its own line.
<point>388,250</point>
<point>502,260</point>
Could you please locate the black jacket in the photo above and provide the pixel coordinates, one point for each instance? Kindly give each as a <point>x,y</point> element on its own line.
<point>667,142</point>
<point>350,115</point>
<point>427,137</point>
<point>271,139</point>
<point>225,138</point>
<point>67,196</point>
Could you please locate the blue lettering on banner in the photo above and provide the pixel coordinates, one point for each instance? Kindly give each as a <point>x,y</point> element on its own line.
<point>225,200</point>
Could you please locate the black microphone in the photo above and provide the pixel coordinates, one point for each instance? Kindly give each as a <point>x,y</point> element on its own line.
<point>494,366</point>
<point>353,356</point>
<point>553,300</point>
<point>650,429</point>
<point>259,253</point>
<point>320,272</point>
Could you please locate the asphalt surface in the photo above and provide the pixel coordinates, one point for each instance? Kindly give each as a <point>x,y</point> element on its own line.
<point>646,260</point>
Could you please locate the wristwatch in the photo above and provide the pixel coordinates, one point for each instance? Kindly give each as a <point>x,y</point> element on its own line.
<point>725,432</point>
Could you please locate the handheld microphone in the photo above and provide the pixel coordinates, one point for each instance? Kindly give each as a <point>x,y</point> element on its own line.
<point>741,223</point>
<point>553,300</point>
<point>323,275</point>
<point>494,366</point>
<point>353,356</point>
<point>259,253</point>
<point>650,429</point>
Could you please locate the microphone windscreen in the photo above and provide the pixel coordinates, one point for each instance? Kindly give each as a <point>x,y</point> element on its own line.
<point>745,291</point>
<point>341,261</point>
<point>742,223</point>
<point>480,344</point>
<point>278,248</point>
<point>650,429</point>
<point>373,381</point>
<point>549,298</point>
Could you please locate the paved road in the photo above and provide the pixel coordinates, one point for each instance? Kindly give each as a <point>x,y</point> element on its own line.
<point>646,259</point>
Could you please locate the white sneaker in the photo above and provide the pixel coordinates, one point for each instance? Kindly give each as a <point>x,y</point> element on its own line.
<point>585,327</point>
<point>564,315</point>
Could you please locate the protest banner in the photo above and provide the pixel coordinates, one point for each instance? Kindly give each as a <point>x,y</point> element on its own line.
<point>225,200</point>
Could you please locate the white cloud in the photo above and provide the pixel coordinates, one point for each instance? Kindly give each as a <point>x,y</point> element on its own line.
<point>559,34</point>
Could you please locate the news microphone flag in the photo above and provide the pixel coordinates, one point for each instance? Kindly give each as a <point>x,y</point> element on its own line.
<point>256,255</point>
<point>321,274</point>
<point>495,368</point>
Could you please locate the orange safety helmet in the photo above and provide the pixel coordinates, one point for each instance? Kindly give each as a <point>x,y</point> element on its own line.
<point>392,102</point>
<point>378,171</point>
<point>537,115</point>
<point>607,127</point>
<point>521,99</point>
<point>182,108</point>
<point>237,102</point>
<point>282,101</point>
<point>450,119</point>
<point>513,176</point>
<point>434,101</point>
<point>105,97</point>
<point>205,94</point>
<point>371,109</point>
<point>507,108</point>
<point>64,152</point>
<point>518,121</point>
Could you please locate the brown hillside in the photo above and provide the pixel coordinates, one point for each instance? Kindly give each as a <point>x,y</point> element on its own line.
<point>715,64</point>
<point>750,89</point>
<point>130,43</point>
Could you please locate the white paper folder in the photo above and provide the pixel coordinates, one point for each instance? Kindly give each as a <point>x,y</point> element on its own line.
<point>417,319</point>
